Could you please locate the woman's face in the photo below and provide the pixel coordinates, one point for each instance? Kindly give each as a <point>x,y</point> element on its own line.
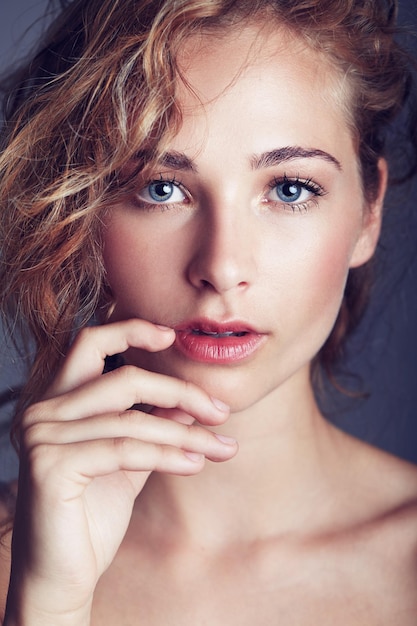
<point>242,237</point>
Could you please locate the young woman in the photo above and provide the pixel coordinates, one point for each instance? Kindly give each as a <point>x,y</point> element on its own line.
<point>206,179</point>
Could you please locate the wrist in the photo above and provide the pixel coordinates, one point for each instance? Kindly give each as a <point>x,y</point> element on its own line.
<point>25,607</point>
<point>30,616</point>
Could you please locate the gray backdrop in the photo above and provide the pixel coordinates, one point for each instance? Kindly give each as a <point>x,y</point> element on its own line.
<point>383,351</point>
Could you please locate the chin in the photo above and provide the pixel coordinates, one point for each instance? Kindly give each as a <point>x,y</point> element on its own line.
<point>239,388</point>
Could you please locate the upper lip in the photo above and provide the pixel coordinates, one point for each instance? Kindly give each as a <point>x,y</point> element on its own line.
<point>212,326</point>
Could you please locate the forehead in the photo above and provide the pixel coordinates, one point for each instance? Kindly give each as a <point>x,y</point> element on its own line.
<point>212,62</point>
<point>259,76</point>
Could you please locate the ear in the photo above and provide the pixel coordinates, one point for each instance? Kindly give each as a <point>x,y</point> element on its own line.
<point>371,224</point>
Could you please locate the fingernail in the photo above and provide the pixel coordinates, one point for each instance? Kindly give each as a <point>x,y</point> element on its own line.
<point>165,328</point>
<point>229,440</point>
<point>220,405</point>
<point>194,456</point>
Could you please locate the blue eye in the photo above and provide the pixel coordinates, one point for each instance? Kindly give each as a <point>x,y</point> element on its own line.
<point>161,192</point>
<point>295,193</point>
<point>290,192</point>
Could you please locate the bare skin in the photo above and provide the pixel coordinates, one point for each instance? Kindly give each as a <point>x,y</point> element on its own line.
<point>363,572</point>
<point>328,539</point>
<point>251,508</point>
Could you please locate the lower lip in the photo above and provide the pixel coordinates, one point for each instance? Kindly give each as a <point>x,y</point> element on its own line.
<point>221,350</point>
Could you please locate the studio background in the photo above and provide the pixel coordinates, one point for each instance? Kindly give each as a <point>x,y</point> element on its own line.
<point>383,352</point>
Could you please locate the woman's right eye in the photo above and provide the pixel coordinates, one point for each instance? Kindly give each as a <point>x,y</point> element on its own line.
<point>162,192</point>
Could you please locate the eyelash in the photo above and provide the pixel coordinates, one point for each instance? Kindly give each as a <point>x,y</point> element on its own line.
<point>162,206</point>
<point>305,184</point>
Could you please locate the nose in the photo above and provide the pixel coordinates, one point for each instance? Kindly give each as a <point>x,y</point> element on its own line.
<point>224,253</point>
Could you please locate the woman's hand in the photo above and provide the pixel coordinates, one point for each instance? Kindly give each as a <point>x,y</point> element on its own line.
<point>85,457</point>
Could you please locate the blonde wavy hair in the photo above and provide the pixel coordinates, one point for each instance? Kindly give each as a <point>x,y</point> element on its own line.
<point>101,89</point>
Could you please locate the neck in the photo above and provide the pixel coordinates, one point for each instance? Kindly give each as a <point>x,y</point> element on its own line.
<point>272,483</point>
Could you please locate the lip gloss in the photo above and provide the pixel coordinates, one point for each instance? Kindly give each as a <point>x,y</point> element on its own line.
<point>209,342</point>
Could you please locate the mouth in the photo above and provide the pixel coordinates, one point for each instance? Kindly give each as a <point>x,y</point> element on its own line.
<point>207,341</point>
<point>212,328</point>
<point>218,335</point>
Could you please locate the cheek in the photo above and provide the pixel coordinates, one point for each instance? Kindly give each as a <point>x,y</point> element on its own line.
<point>329,278</point>
<point>326,295</point>
<point>313,285</point>
<point>137,267</point>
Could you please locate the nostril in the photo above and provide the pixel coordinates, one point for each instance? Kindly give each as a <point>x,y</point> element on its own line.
<point>206,284</point>
<point>210,272</point>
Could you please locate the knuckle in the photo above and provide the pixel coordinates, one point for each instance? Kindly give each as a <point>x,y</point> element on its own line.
<point>41,459</point>
<point>190,389</point>
<point>128,373</point>
<point>86,341</point>
<point>163,455</point>
<point>193,431</point>
<point>122,446</point>
<point>45,411</point>
<point>33,414</point>
<point>33,434</point>
<point>200,436</point>
<point>85,336</point>
<point>188,386</point>
<point>131,420</point>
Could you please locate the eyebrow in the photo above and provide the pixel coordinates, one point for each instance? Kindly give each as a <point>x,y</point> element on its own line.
<point>289,153</point>
<point>179,161</point>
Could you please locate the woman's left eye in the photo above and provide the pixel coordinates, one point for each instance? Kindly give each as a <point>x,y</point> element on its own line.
<point>161,192</point>
<point>295,193</point>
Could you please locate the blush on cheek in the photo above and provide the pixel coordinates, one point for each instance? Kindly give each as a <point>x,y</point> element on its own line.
<point>320,294</point>
<point>331,277</point>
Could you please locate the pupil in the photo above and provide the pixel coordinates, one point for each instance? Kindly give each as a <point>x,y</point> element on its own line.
<point>160,191</point>
<point>290,191</point>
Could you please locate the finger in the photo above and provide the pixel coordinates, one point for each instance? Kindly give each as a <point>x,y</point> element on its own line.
<point>125,387</point>
<point>137,425</point>
<point>77,464</point>
<point>92,345</point>
<point>175,415</point>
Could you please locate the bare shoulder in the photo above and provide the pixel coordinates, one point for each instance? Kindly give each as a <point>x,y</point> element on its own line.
<point>380,543</point>
<point>7,501</point>
<point>381,489</point>
<point>395,500</point>
<point>391,481</point>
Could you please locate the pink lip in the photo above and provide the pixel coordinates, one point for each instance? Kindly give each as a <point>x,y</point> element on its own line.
<point>207,341</point>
